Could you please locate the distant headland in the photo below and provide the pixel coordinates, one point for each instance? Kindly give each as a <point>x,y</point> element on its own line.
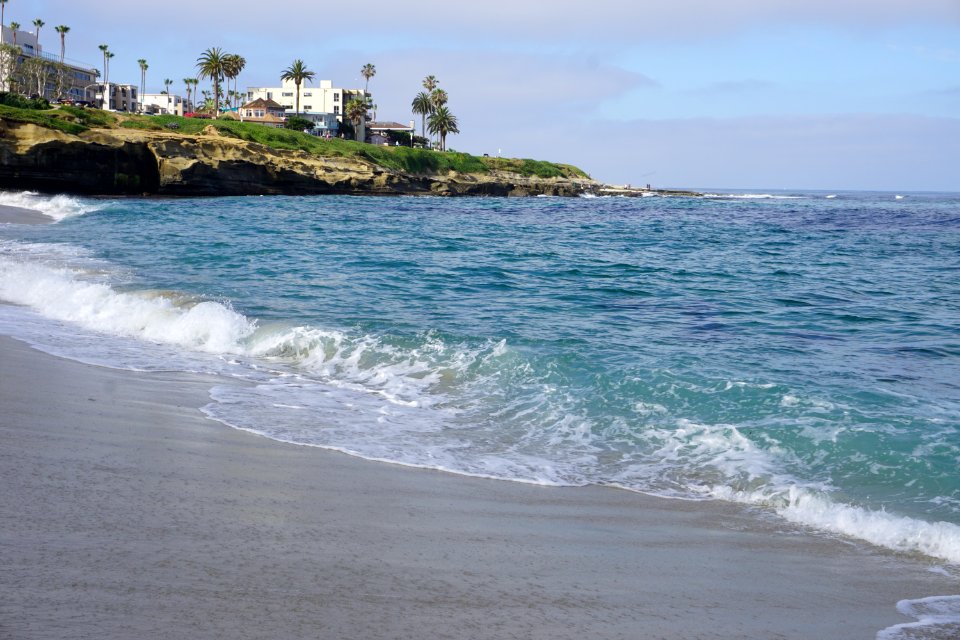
<point>89,151</point>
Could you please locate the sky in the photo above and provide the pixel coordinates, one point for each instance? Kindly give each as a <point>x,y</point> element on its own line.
<point>749,94</point>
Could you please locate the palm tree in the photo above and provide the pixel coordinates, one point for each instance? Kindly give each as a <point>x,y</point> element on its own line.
<point>211,65</point>
<point>231,69</point>
<point>109,58</point>
<point>368,71</point>
<point>62,30</point>
<point>3,6</point>
<point>297,72</point>
<point>13,27</point>
<point>166,83</point>
<point>243,63</point>
<point>356,111</point>
<point>187,83</point>
<point>439,98</point>
<point>143,78</point>
<point>443,122</point>
<point>104,49</point>
<point>423,106</point>
<point>430,83</point>
<point>195,83</point>
<point>38,23</point>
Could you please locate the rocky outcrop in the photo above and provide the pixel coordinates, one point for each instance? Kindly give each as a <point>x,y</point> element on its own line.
<point>132,161</point>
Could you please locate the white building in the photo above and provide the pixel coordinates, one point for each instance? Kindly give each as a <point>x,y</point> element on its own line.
<point>163,104</point>
<point>68,80</point>
<point>322,104</point>
<point>122,97</point>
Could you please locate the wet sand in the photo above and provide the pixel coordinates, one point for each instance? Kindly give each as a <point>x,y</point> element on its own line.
<point>127,514</point>
<point>19,215</point>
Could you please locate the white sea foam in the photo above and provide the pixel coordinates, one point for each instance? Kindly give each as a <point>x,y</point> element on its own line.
<point>750,196</point>
<point>57,207</point>
<point>72,295</point>
<point>937,617</point>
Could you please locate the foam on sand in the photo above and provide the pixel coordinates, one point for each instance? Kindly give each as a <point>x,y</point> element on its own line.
<point>58,207</point>
<point>937,617</point>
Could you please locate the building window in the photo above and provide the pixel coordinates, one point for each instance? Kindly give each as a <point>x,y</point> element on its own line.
<point>336,109</point>
<point>307,107</point>
<point>288,94</point>
<point>269,95</point>
<point>336,97</point>
<point>308,94</point>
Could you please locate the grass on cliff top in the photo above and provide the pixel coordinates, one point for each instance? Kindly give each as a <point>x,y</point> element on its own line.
<point>418,161</point>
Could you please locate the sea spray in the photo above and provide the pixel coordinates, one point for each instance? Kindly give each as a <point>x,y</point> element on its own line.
<point>57,207</point>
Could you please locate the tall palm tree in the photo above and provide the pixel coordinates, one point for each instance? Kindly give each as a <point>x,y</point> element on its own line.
<point>109,58</point>
<point>3,6</point>
<point>104,49</point>
<point>442,122</point>
<point>235,64</point>
<point>439,98</point>
<point>195,84</point>
<point>430,83</point>
<point>356,111</point>
<point>38,23</point>
<point>423,106</point>
<point>143,78</point>
<point>187,84</point>
<point>211,65</point>
<point>368,71</point>
<point>231,69</point>
<point>299,73</point>
<point>13,27</point>
<point>62,30</point>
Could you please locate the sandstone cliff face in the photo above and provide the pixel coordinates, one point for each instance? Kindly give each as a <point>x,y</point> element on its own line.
<point>131,161</point>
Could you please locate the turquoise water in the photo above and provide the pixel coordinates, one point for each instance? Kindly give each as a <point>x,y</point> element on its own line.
<point>798,352</point>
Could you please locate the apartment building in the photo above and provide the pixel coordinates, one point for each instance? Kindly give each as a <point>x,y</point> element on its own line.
<point>32,71</point>
<point>322,104</point>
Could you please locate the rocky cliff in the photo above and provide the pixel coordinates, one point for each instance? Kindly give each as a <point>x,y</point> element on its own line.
<point>133,161</point>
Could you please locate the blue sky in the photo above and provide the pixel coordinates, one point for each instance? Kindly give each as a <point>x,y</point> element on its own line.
<point>788,94</point>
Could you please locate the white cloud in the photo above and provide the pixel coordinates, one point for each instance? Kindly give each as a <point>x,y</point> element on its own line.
<point>828,152</point>
<point>611,23</point>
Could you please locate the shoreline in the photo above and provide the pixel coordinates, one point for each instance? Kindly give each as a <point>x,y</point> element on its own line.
<point>22,215</point>
<point>127,512</point>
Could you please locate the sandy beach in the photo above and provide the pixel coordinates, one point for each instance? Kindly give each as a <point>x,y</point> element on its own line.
<point>126,513</point>
<point>19,215</point>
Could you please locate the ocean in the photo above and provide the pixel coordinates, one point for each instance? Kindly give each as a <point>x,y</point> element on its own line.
<point>795,351</point>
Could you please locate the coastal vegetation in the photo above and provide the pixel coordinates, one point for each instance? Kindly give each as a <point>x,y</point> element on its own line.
<point>75,120</point>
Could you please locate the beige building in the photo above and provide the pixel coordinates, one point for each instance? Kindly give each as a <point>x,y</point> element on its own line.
<point>321,103</point>
<point>32,71</point>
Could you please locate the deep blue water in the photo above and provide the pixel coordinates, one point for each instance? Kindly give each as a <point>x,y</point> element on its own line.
<point>801,353</point>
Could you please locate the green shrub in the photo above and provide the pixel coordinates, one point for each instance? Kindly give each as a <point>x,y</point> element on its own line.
<point>20,102</point>
<point>296,123</point>
<point>41,118</point>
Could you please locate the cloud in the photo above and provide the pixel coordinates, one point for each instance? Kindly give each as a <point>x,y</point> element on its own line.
<point>494,91</point>
<point>736,87</point>
<point>880,152</point>
<point>608,23</point>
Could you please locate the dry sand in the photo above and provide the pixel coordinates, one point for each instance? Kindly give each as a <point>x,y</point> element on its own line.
<point>124,513</point>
